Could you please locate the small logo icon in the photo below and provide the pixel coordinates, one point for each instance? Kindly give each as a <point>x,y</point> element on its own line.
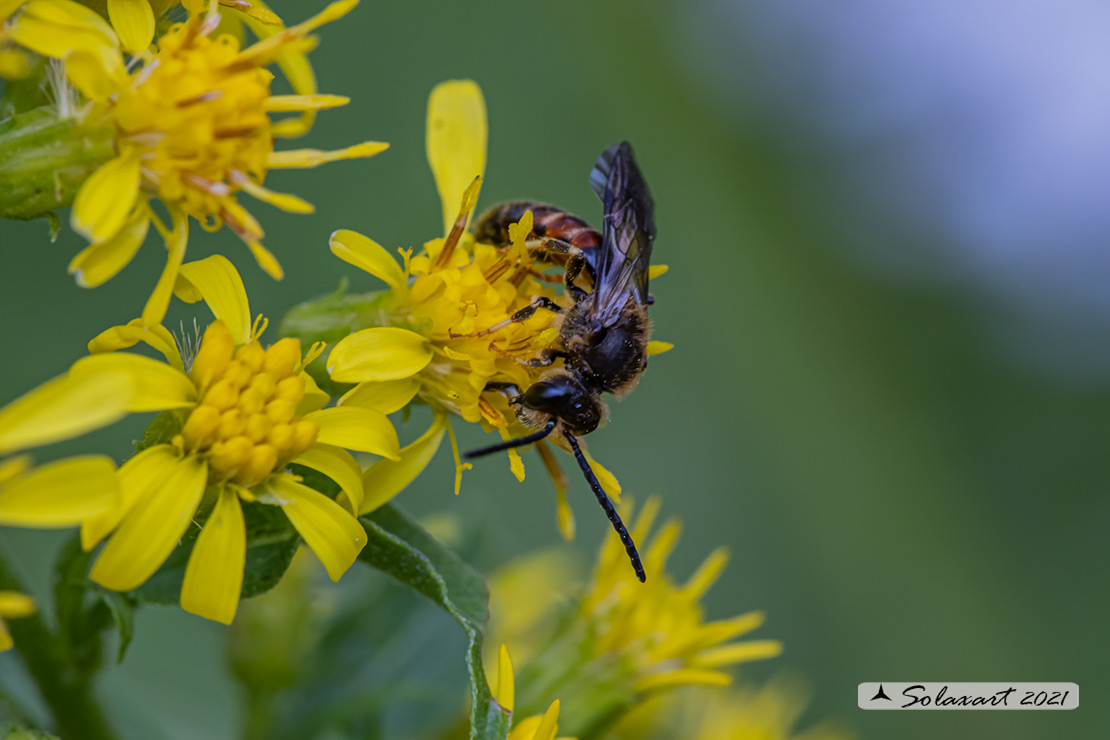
<point>881,695</point>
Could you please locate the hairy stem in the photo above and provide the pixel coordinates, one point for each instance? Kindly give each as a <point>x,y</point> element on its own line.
<point>44,159</point>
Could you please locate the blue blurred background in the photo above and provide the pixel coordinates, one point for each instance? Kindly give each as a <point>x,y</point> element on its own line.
<point>887,231</point>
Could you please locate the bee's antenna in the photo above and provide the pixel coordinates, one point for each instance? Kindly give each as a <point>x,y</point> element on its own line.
<point>610,510</point>
<point>509,444</point>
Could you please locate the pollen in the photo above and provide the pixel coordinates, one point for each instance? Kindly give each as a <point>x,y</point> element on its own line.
<point>246,423</point>
<point>198,123</point>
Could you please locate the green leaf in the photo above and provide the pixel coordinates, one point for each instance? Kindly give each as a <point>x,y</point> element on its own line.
<point>123,614</point>
<point>160,430</point>
<point>401,548</point>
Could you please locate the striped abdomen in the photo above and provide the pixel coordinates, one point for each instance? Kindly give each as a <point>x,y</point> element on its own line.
<point>493,225</point>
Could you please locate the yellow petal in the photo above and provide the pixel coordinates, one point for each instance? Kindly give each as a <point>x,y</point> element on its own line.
<point>5,638</point>
<point>284,201</point>
<point>550,724</point>
<point>707,574</point>
<point>337,464</point>
<point>297,103</point>
<point>607,480</point>
<point>151,530</point>
<point>97,73</point>
<point>253,9</point>
<point>308,158</point>
<point>14,605</point>
<point>7,7</point>
<point>137,477</point>
<point>155,309</point>
<point>60,494</point>
<point>265,259</point>
<point>657,271</point>
<point>367,255</point>
<point>155,386</point>
<point>456,141</point>
<point>682,677</point>
<point>363,430</point>
<point>56,28</point>
<point>14,466</point>
<point>15,64</point>
<point>273,41</point>
<point>122,337</point>
<point>460,466</point>
<point>294,64</point>
<point>742,652</point>
<point>134,23</point>
<point>214,575</point>
<point>104,201</point>
<point>216,281</point>
<point>516,464</point>
<point>385,396</point>
<point>564,516</point>
<point>327,528</point>
<point>98,263</point>
<point>505,691</point>
<point>385,478</point>
<point>314,399</point>
<point>63,408</point>
<point>658,348</point>
<point>381,353</point>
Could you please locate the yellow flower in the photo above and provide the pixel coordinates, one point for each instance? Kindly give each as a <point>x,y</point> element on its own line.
<point>192,129</point>
<point>58,28</point>
<point>134,20</point>
<point>622,642</point>
<point>455,285</point>
<point>245,413</point>
<point>13,605</point>
<point>537,727</point>
<point>768,712</point>
<point>659,627</point>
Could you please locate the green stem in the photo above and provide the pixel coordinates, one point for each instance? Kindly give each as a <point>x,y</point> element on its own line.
<point>45,158</point>
<point>66,690</point>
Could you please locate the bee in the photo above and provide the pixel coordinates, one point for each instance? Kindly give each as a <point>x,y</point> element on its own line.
<point>603,333</point>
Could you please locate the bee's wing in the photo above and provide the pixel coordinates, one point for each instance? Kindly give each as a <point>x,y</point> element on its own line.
<point>625,252</point>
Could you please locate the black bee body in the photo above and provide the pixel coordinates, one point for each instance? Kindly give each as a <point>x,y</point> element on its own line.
<point>603,334</point>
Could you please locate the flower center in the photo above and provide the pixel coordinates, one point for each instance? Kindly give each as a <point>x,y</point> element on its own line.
<point>246,423</point>
<point>198,121</point>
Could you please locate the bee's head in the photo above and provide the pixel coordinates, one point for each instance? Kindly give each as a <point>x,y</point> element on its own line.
<point>564,398</point>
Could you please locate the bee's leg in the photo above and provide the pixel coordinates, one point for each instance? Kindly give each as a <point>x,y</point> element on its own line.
<point>522,315</point>
<point>574,269</point>
<point>546,357</point>
<point>547,247</point>
<point>495,385</point>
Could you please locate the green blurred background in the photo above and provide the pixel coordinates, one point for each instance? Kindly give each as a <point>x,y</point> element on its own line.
<point>886,231</point>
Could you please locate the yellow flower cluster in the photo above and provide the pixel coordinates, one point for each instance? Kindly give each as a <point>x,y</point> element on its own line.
<point>537,727</point>
<point>749,712</point>
<point>191,121</point>
<point>247,419</point>
<point>454,286</point>
<point>659,627</point>
<point>620,642</point>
